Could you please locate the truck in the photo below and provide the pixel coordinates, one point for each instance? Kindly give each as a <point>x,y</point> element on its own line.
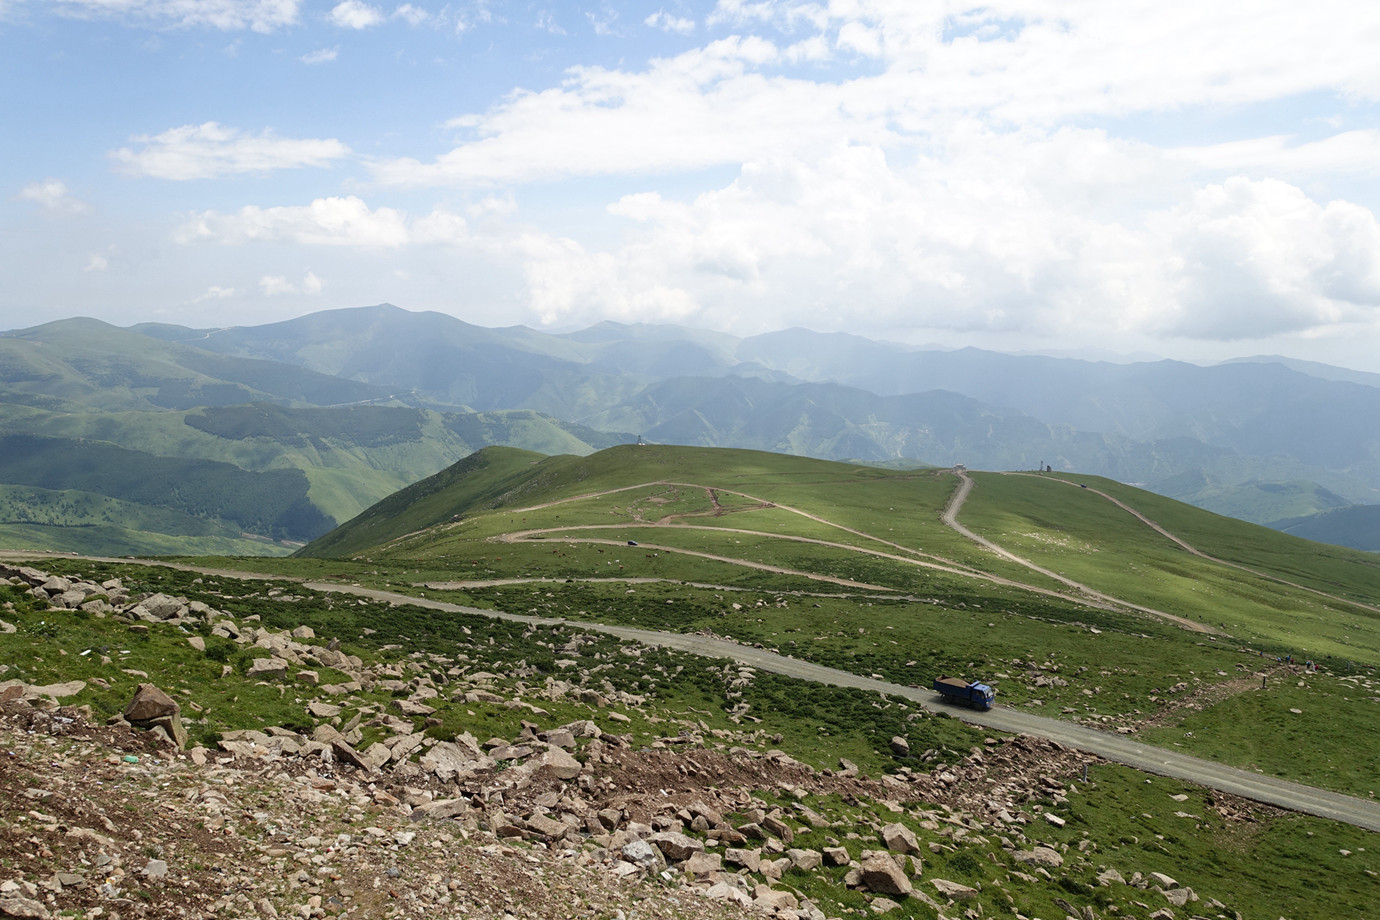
<point>973,693</point>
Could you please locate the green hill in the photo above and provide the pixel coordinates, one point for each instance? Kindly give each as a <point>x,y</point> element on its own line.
<point>1103,602</point>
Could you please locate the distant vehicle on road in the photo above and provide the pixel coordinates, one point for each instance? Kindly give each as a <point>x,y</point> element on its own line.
<point>632,542</point>
<point>974,693</point>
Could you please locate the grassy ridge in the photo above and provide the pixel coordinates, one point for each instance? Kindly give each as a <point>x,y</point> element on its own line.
<point>549,536</point>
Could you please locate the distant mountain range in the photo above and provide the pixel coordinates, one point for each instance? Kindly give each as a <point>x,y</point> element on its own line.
<point>316,418</point>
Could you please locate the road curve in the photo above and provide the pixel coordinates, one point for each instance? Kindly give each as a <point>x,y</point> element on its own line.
<point>1117,748</point>
<point>950,519</point>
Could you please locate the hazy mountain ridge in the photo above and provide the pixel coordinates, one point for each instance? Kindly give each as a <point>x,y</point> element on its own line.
<point>1195,433</point>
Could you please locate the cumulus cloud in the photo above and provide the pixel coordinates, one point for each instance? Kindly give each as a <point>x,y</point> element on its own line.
<point>210,150</point>
<point>346,221</point>
<point>1253,258</point>
<point>53,195</point>
<point>228,15</point>
<point>703,108</point>
<point>355,14</point>
<point>323,56</point>
<point>215,292</point>
<point>326,221</point>
<point>412,15</point>
<point>853,241</point>
<point>1349,151</point>
<point>668,22</point>
<point>278,285</point>
<point>1011,63</point>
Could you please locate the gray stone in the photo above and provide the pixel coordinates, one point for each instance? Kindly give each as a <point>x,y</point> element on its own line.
<point>722,891</point>
<point>771,900</point>
<point>880,873</point>
<point>556,763</point>
<point>150,703</point>
<point>440,809</point>
<point>643,855</point>
<point>702,865</point>
<point>675,846</point>
<point>449,759</point>
<point>22,909</point>
<point>953,890</point>
<point>547,827</point>
<point>1040,856</point>
<point>156,868</point>
<point>267,669</point>
<point>900,839</point>
<point>750,860</point>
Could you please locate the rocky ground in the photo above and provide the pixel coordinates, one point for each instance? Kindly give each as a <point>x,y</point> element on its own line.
<point>121,818</point>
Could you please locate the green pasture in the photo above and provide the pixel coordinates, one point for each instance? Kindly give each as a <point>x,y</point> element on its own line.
<point>1083,536</point>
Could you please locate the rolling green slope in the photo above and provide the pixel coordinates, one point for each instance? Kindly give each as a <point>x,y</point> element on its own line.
<point>345,458</point>
<point>1091,600</point>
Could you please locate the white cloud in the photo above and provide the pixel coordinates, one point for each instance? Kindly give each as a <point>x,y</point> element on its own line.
<point>274,285</point>
<point>258,15</point>
<point>96,263</point>
<point>1257,258</point>
<point>412,15</point>
<point>702,108</point>
<point>546,22</point>
<point>279,285</point>
<point>53,195</point>
<point>852,241</point>
<point>668,22</point>
<point>323,56</point>
<point>344,221</point>
<point>215,292</point>
<point>1011,63</point>
<point>355,14</point>
<point>211,150</point>
<point>326,221</point>
<point>1350,151</point>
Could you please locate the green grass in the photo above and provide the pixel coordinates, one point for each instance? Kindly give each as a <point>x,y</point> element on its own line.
<point>1083,536</point>
<point>1272,865</point>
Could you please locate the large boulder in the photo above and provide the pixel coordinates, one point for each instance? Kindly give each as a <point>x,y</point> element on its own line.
<point>461,757</point>
<point>153,710</point>
<point>900,839</point>
<point>880,873</point>
<point>150,703</point>
<point>675,846</point>
<point>556,763</point>
<point>267,669</point>
<point>1040,856</point>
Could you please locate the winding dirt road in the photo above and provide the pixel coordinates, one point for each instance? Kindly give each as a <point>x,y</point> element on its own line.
<point>950,518</point>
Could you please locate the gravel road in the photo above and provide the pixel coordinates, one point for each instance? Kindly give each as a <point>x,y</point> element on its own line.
<point>1117,748</point>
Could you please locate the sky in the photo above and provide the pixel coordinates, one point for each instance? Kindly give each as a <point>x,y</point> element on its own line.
<point>1178,178</point>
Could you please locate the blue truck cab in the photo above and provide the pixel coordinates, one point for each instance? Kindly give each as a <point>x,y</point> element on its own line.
<point>974,693</point>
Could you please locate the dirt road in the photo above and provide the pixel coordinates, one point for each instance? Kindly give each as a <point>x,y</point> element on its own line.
<point>950,518</point>
<point>1116,748</point>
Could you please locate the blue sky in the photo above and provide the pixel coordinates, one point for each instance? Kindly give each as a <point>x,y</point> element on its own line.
<point>1191,180</point>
